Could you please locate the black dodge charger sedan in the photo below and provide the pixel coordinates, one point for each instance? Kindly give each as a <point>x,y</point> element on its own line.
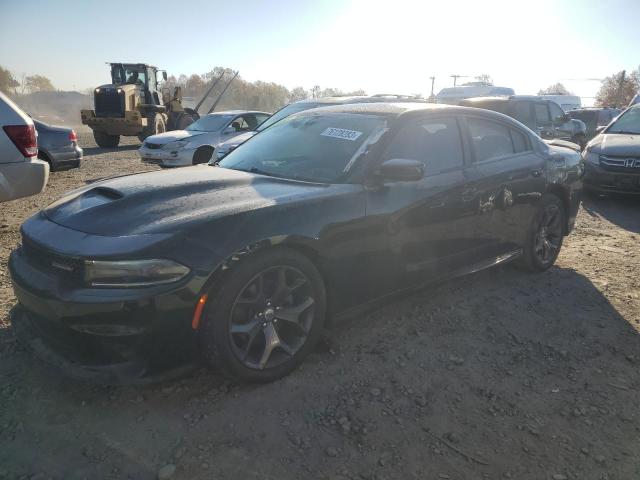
<point>244,262</point>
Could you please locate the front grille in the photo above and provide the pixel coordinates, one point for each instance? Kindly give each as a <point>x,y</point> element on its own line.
<point>50,262</point>
<point>620,164</point>
<point>153,146</point>
<point>109,103</point>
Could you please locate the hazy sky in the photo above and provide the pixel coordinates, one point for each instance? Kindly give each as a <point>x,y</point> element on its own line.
<point>391,46</point>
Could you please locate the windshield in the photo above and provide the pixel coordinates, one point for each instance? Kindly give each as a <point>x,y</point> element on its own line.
<point>289,110</point>
<point>210,123</point>
<point>628,122</point>
<point>317,147</point>
<point>127,74</point>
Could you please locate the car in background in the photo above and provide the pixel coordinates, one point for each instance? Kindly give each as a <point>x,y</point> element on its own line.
<point>301,105</point>
<point>594,118</point>
<point>244,263</point>
<point>566,102</point>
<point>196,143</point>
<point>21,173</point>
<point>544,117</point>
<point>612,158</point>
<point>454,95</point>
<point>58,146</point>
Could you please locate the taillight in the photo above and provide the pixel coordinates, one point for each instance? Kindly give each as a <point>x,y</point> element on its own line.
<point>73,137</point>
<point>24,138</point>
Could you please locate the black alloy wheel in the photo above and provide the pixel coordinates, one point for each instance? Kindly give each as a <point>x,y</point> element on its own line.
<point>545,235</point>
<point>264,316</point>
<point>549,236</point>
<point>271,317</point>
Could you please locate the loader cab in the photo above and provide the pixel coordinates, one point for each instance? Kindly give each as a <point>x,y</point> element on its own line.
<point>140,75</point>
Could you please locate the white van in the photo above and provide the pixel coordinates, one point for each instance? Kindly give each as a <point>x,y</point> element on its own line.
<point>453,95</point>
<point>567,102</point>
<point>21,173</point>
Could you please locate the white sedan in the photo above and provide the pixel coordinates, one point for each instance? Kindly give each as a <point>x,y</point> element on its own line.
<point>197,142</point>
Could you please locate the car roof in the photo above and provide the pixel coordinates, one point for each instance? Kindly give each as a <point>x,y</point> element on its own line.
<point>379,98</point>
<point>235,112</point>
<point>398,109</point>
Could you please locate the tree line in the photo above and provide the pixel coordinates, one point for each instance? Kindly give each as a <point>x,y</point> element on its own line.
<point>616,90</point>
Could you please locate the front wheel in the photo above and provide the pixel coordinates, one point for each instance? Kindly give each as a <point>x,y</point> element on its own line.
<point>265,316</point>
<point>202,155</point>
<point>545,235</point>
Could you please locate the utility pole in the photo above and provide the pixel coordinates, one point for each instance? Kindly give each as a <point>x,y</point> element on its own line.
<point>433,79</point>
<point>621,89</point>
<point>455,78</point>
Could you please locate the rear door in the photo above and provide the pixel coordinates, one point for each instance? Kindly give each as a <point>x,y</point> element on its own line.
<point>511,184</point>
<point>429,223</point>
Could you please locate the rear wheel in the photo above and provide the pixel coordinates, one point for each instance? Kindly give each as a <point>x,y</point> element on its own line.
<point>265,317</point>
<point>545,235</point>
<point>202,155</point>
<point>106,141</point>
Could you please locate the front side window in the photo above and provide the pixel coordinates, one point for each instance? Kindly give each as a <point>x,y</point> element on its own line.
<point>542,113</point>
<point>317,147</point>
<point>490,140</point>
<point>628,122</point>
<point>240,124</point>
<point>435,142</point>
<point>557,114</point>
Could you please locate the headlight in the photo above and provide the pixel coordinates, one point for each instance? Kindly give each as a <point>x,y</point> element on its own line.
<point>592,158</point>
<point>176,145</point>
<point>132,273</point>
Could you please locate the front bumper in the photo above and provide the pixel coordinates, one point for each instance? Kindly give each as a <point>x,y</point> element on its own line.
<point>111,336</point>
<point>133,123</point>
<point>167,158</point>
<point>598,179</point>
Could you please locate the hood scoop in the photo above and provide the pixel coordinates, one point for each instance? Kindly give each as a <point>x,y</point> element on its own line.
<point>85,201</point>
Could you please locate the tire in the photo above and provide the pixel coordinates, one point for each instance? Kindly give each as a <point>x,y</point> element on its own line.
<point>202,155</point>
<point>155,125</point>
<point>106,141</point>
<point>239,318</point>
<point>545,235</point>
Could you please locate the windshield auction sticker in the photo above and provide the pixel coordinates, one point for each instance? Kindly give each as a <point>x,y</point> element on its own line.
<point>341,133</point>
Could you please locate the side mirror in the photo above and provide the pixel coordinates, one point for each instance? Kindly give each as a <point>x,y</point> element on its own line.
<point>402,170</point>
<point>564,118</point>
<point>601,129</point>
<point>164,76</point>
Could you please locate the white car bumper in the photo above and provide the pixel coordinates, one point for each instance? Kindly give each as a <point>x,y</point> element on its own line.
<point>22,179</point>
<point>167,158</point>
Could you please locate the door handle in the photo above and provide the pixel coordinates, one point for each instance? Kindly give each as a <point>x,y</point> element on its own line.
<point>536,173</point>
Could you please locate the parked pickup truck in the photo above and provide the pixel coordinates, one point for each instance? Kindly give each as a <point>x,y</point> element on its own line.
<point>21,173</point>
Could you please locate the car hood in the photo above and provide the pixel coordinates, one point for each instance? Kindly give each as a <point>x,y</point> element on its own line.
<point>168,137</point>
<point>616,144</point>
<point>171,201</point>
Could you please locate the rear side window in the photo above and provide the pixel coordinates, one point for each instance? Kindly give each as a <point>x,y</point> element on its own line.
<point>492,140</point>
<point>520,142</point>
<point>522,112</point>
<point>435,142</point>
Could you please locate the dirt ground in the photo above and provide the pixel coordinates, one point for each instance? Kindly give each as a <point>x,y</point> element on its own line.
<point>499,375</point>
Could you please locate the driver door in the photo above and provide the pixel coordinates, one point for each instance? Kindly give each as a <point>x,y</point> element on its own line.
<point>429,224</point>
<point>562,126</point>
